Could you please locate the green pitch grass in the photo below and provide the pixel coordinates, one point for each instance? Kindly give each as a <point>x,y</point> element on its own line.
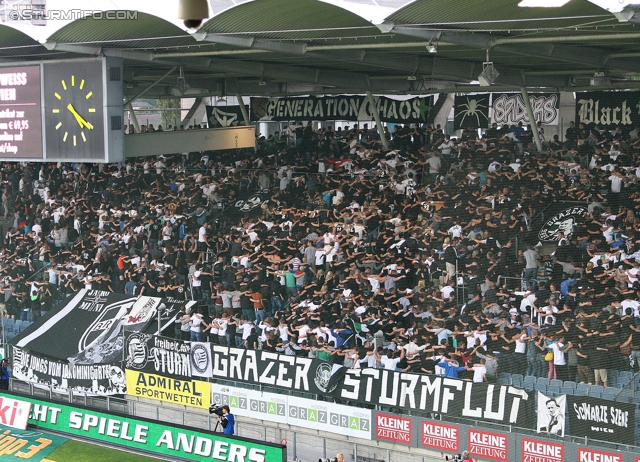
<point>76,451</point>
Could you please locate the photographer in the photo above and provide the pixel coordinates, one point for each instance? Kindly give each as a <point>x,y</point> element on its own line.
<point>5,374</point>
<point>466,457</point>
<point>227,420</point>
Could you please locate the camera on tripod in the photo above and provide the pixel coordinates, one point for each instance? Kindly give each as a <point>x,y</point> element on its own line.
<point>216,409</point>
<point>328,460</point>
<point>454,457</point>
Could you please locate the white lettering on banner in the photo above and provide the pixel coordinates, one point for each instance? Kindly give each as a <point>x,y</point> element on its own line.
<point>113,428</point>
<point>279,370</point>
<point>602,414</point>
<point>485,444</point>
<point>541,451</point>
<point>220,450</point>
<point>590,112</point>
<point>440,436</point>
<point>510,109</point>
<point>43,413</point>
<point>591,455</point>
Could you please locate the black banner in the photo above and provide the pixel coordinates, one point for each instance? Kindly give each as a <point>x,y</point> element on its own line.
<point>249,203</point>
<point>59,375</point>
<point>344,107</point>
<point>608,109</point>
<point>430,393</point>
<point>164,356</point>
<point>471,111</point>
<point>271,369</point>
<point>509,108</point>
<point>563,218</point>
<point>84,331</point>
<point>224,116</point>
<point>601,419</point>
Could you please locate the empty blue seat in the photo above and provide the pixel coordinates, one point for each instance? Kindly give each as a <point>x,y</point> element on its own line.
<point>18,322</point>
<point>543,380</point>
<point>528,386</point>
<point>517,377</point>
<point>578,392</point>
<point>597,389</point>
<point>613,390</point>
<point>567,391</point>
<point>553,390</point>
<point>595,394</point>
<point>504,381</point>
<point>609,396</point>
<point>628,374</point>
<point>555,383</point>
<point>569,384</point>
<point>540,387</point>
<point>583,386</point>
<point>516,383</point>
<point>530,379</point>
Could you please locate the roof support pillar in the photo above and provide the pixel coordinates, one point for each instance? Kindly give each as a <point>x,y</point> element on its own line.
<point>243,109</point>
<point>134,119</point>
<point>376,117</point>
<point>194,107</point>
<point>532,120</point>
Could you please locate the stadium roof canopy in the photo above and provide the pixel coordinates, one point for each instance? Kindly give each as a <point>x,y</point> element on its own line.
<point>276,47</point>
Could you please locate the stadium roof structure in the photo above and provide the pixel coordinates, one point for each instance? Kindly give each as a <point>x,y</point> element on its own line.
<point>288,47</point>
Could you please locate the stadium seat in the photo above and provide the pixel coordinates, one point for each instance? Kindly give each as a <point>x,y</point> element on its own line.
<point>528,386</point>
<point>615,390</point>
<point>579,392</point>
<point>553,391</point>
<point>506,376</point>
<point>595,394</point>
<point>516,383</point>
<point>628,374</point>
<point>517,377</point>
<point>504,381</point>
<point>18,322</point>
<point>543,380</point>
<point>610,396</point>
<point>555,383</point>
<point>567,391</point>
<point>596,388</point>
<point>540,387</point>
<point>583,386</point>
<point>625,395</point>
<point>530,379</point>
<point>569,384</point>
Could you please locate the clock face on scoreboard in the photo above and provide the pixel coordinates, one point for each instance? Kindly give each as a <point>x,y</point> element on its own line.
<point>73,114</point>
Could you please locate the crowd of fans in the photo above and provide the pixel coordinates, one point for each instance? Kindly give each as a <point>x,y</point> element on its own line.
<point>422,258</point>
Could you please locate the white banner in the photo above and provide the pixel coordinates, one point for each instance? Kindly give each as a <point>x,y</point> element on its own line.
<point>14,413</point>
<point>201,359</point>
<point>551,412</point>
<point>291,410</point>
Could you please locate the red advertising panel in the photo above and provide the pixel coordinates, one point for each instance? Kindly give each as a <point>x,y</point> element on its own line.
<point>440,436</point>
<point>541,451</point>
<point>595,455</point>
<point>394,428</point>
<point>488,445</point>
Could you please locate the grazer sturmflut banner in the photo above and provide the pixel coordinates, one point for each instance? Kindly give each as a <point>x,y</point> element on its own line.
<point>601,419</point>
<point>430,393</point>
<point>608,109</point>
<point>343,107</point>
<point>562,218</point>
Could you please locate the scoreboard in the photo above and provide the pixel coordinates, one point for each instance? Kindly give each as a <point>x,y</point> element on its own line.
<point>62,111</point>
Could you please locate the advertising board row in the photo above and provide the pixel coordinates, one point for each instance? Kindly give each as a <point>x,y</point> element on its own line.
<point>169,440</point>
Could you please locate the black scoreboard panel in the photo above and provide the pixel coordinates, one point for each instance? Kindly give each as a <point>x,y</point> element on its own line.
<point>62,111</point>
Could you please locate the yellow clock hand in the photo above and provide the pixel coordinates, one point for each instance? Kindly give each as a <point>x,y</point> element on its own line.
<point>76,115</point>
<point>83,123</point>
